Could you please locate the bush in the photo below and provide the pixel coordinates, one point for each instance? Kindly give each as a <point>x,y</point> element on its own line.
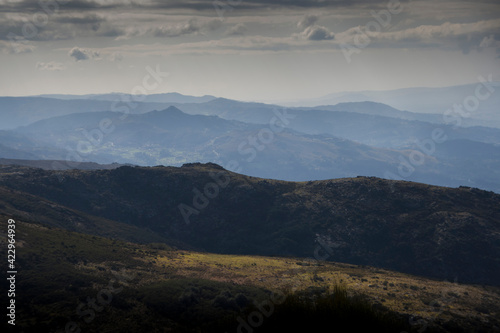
<point>337,312</point>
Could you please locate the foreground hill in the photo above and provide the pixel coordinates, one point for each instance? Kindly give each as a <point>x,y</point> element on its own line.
<point>426,230</point>
<point>69,279</point>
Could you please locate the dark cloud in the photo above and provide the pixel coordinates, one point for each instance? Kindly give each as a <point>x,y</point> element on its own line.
<point>62,26</point>
<point>78,54</point>
<point>50,7</point>
<point>10,28</point>
<point>89,19</point>
<point>312,31</point>
<point>30,6</point>
<point>259,4</point>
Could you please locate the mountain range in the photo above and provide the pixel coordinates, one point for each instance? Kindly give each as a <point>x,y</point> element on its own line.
<point>270,142</point>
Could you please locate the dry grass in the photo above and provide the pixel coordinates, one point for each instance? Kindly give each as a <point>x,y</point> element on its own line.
<point>418,296</point>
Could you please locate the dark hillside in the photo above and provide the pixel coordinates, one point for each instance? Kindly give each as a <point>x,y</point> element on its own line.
<point>438,232</point>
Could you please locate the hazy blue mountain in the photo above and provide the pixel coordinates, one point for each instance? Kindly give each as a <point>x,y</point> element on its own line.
<point>384,110</point>
<point>346,140</point>
<point>368,123</point>
<point>424,100</point>
<point>17,146</point>
<point>250,112</point>
<point>57,164</point>
<point>384,131</point>
<point>171,137</point>
<point>472,163</point>
<point>172,97</point>
<point>21,111</point>
<point>9,152</point>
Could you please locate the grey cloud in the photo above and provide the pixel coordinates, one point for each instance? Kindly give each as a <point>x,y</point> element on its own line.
<point>116,57</point>
<point>317,32</point>
<point>307,21</point>
<point>55,27</point>
<point>80,54</point>
<point>312,31</point>
<point>491,41</point>
<point>110,32</point>
<point>192,26</point>
<point>238,29</point>
<point>187,28</point>
<point>93,21</point>
<point>7,28</point>
<point>50,66</point>
<point>16,47</point>
<point>487,41</point>
<point>213,24</point>
<point>465,37</point>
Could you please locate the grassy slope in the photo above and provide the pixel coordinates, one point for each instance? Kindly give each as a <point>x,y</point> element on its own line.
<point>162,287</point>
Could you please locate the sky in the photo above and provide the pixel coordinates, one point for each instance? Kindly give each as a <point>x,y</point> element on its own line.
<point>251,50</point>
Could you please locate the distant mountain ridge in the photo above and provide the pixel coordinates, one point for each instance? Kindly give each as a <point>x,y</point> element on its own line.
<point>58,164</point>
<point>313,144</point>
<point>22,111</point>
<point>427,100</point>
<point>380,109</point>
<point>171,137</point>
<point>343,140</point>
<point>171,97</point>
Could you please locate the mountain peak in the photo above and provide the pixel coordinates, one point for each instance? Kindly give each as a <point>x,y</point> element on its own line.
<point>172,109</point>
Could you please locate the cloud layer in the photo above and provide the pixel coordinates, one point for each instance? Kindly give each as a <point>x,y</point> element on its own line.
<point>284,37</point>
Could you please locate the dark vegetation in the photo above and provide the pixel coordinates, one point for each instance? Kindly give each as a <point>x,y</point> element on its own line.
<point>62,270</point>
<point>432,231</point>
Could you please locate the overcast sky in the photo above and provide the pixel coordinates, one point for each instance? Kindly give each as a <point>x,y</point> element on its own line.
<point>245,49</point>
